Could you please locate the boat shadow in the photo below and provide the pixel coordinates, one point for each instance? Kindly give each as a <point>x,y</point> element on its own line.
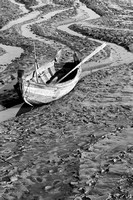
<point>27,108</point>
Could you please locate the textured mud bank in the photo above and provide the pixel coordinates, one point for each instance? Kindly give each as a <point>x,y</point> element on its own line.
<point>79,147</point>
<point>8,11</point>
<point>47,42</point>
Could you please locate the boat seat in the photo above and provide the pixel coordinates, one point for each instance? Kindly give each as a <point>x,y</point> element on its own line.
<point>45,72</point>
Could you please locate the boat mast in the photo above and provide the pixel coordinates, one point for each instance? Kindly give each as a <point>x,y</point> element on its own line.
<point>36,63</point>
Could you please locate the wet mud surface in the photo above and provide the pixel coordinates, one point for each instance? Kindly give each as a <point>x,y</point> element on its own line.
<point>8,11</point>
<point>120,37</point>
<point>77,148</point>
<point>45,52</point>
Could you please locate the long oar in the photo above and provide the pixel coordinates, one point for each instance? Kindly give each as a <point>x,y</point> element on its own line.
<point>84,60</point>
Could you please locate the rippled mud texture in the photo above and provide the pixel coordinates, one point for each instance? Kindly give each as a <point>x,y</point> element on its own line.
<point>49,29</point>
<point>27,3</point>
<point>64,2</point>
<point>79,147</point>
<point>8,11</point>
<point>113,26</point>
<point>59,39</point>
<point>106,8</point>
<point>120,37</point>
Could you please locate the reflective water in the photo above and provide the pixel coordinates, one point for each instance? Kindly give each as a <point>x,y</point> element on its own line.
<point>11,53</point>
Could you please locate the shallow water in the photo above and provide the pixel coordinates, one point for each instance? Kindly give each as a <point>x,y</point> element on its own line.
<point>25,18</point>
<point>9,113</point>
<point>11,53</point>
<point>83,14</point>
<point>14,52</point>
<point>25,29</point>
<point>26,32</point>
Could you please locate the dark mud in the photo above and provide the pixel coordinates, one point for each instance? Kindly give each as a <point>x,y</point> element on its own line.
<point>79,147</point>
<point>120,37</point>
<point>123,22</point>
<point>45,52</point>
<point>8,11</point>
<point>28,3</point>
<point>49,29</point>
<point>110,27</point>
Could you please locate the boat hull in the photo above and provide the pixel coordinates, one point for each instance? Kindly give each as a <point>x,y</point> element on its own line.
<point>34,93</point>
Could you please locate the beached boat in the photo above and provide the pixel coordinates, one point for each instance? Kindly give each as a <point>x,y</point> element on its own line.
<point>40,93</point>
<point>35,90</point>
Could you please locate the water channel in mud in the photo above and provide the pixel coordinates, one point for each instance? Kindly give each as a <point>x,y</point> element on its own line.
<point>26,32</point>
<point>79,147</point>
<point>83,13</point>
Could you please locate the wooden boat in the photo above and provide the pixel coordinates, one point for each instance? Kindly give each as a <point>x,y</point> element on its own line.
<point>38,93</point>
<point>35,90</point>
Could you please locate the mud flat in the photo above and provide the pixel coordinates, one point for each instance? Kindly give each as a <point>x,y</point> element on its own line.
<point>19,33</point>
<point>8,11</point>
<point>79,147</point>
<point>119,36</point>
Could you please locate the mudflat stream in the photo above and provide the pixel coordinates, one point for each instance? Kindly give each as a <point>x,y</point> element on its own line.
<point>77,148</point>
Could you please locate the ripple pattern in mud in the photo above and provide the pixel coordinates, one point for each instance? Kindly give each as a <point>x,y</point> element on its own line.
<point>72,149</point>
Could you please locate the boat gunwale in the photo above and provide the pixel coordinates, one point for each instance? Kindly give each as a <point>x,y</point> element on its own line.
<point>56,85</point>
<point>53,87</point>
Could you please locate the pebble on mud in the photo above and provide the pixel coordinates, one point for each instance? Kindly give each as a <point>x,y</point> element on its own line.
<point>48,187</point>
